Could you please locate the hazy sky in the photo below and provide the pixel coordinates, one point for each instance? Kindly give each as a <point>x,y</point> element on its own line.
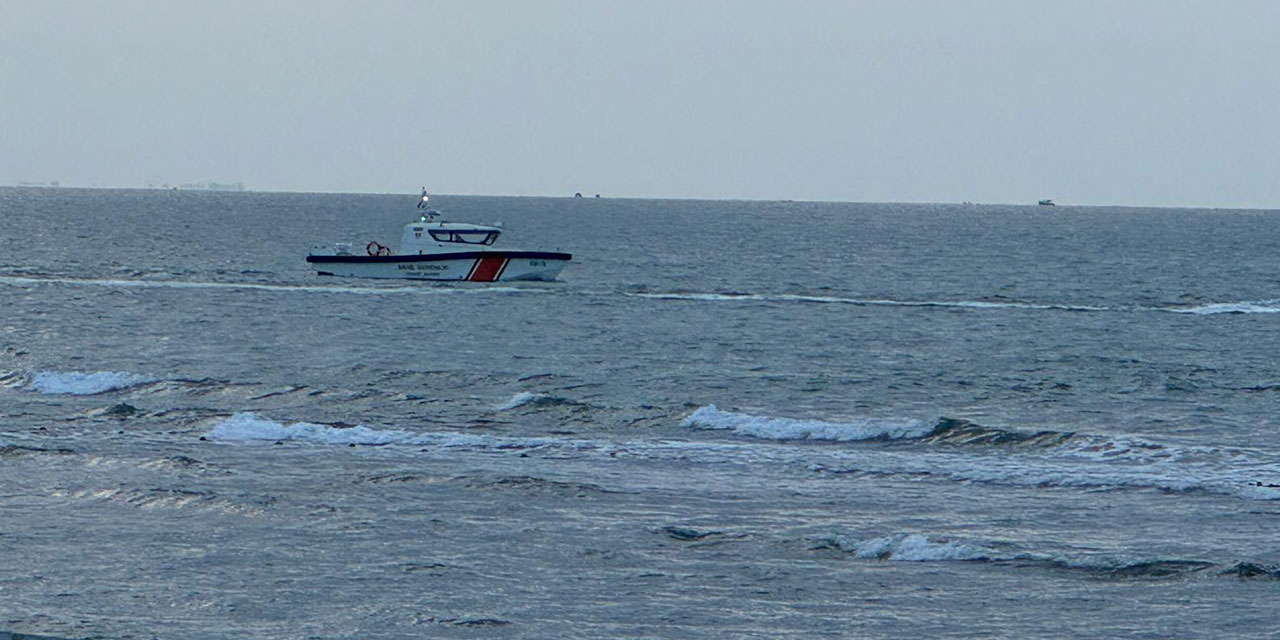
<point>1142,102</point>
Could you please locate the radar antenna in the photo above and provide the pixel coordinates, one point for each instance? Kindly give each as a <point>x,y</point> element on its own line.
<point>428,215</point>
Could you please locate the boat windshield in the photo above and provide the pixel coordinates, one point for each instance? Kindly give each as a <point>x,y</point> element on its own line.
<point>465,237</point>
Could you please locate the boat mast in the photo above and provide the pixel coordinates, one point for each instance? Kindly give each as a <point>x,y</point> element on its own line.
<point>427,215</point>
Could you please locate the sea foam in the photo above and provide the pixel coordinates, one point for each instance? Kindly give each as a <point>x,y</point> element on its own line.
<point>249,426</point>
<point>521,399</point>
<point>913,547</point>
<point>972,453</point>
<point>1262,306</point>
<point>693,296</point>
<point>84,384</point>
<point>709,417</point>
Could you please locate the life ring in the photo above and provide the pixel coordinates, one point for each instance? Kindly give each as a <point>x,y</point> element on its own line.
<point>375,248</point>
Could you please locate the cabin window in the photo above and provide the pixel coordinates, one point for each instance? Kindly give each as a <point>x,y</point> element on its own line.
<point>465,237</point>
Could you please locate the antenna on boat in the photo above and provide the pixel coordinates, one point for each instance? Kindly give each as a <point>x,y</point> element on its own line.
<point>428,215</point>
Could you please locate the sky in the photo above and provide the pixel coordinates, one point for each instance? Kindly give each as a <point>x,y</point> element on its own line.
<point>1125,102</point>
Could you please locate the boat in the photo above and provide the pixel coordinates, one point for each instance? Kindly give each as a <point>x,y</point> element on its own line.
<point>432,248</point>
<point>1046,203</point>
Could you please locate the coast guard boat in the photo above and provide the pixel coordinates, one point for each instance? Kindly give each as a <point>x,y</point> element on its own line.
<point>433,249</point>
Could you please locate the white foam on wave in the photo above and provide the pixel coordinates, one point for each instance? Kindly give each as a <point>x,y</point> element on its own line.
<point>1085,462</point>
<point>1001,467</point>
<point>83,384</point>
<point>1261,306</point>
<point>913,547</point>
<point>1132,449</point>
<point>703,297</point>
<point>1086,448</point>
<point>972,304</point>
<point>248,426</point>
<point>868,302</point>
<point>520,400</point>
<point>709,417</point>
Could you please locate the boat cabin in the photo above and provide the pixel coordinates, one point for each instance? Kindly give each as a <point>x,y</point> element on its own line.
<point>428,235</point>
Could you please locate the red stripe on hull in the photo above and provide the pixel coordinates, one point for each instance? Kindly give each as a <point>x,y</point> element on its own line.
<point>487,269</point>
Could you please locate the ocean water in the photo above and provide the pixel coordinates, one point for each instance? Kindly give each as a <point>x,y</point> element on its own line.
<point>727,420</point>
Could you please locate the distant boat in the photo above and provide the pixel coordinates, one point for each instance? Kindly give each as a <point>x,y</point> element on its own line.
<point>432,249</point>
<point>1046,203</point>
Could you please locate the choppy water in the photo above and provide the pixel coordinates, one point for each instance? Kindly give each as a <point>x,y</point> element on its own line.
<point>730,419</point>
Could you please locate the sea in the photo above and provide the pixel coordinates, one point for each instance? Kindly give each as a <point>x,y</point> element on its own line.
<point>726,419</point>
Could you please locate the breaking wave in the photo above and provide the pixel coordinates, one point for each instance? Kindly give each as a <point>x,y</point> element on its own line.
<point>1063,443</point>
<point>709,417</point>
<point>519,400</point>
<point>1260,306</point>
<point>248,426</point>
<point>954,452</point>
<point>946,431</point>
<point>909,548</point>
<point>967,452</point>
<point>525,398</point>
<point>866,302</point>
<point>915,547</point>
<point>83,384</point>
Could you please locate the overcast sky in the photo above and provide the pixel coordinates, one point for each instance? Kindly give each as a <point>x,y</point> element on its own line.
<point>1136,102</point>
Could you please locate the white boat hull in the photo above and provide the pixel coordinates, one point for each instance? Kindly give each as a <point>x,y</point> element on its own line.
<point>473,266</point>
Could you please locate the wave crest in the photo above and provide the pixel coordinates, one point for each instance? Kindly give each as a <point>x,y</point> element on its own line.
<point>912,547</point>
<point>915,547</point>
<point>946,431</point>
<point>953,431</point>
<point>1261,306</point>
<point>248,426</point>
<point>80,383</point>
<point>535,399</point>
<point>710,417</point>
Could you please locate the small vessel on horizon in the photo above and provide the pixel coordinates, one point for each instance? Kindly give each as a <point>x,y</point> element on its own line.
<point>1046,203</point>
<point>434,249</point>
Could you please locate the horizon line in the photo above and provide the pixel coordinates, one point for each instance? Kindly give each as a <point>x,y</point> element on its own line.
<point>244,189</point>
